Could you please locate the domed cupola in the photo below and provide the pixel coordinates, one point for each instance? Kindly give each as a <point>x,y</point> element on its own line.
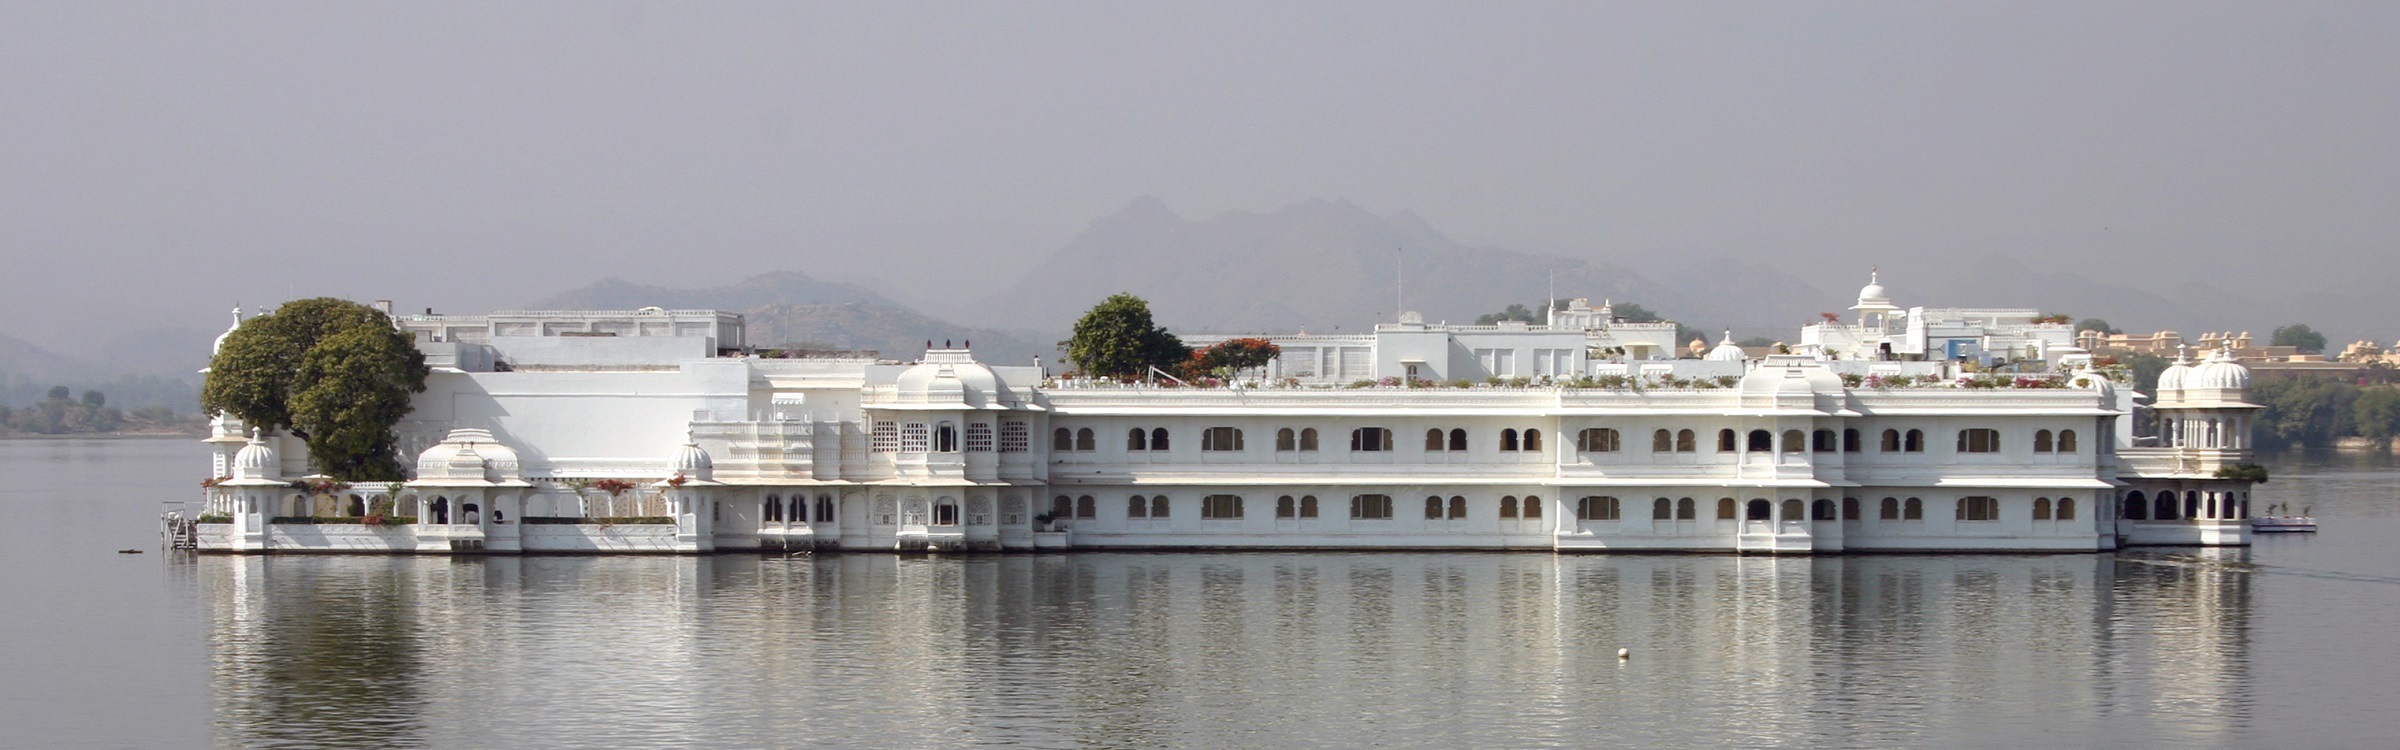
<point>2171,379</point>
<point>1872,296</point>
<point>257,460</point>
<point>693,462</point>
<point>951,377</point>
<point>1726,351</point>
<point>2218,372</point>
<point>219,346</point>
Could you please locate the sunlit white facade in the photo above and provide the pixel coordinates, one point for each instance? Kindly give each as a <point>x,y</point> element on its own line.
<point>691,443</point>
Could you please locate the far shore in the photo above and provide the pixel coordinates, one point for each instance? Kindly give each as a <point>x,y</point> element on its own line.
<point>108,436</point>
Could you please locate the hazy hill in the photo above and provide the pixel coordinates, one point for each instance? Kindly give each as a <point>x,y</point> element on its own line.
<point>1330,265</point>
<point>792,309</point>
<point>138,372</point>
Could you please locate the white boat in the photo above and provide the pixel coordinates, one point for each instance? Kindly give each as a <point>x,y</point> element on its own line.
<point>2283,525</point>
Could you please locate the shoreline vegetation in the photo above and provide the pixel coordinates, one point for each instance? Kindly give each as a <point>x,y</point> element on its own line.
<point>64,415</point>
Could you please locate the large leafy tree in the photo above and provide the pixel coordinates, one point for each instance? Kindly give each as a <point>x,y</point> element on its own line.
<point>1232,355</point>
<point>2299,336</point>
<point>1118,339</point>
<point>334,372</point>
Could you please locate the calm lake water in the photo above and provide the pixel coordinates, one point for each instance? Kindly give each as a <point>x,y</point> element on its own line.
<point>2294,642</point>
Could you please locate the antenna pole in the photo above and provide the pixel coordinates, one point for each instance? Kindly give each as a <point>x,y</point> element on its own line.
<point>1399,281</point>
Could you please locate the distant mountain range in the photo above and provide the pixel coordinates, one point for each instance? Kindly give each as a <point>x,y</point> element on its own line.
<point>157,367</point>
<point>789,309</point>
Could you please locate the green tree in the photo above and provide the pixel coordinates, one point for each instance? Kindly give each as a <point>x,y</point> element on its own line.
<point>1118,339</point>
<point>334,372</point>
<point>2299,336</point>
<point>2376,414</point>
<point>95,399</point>
<point>1514,312</point>
<point>2307,411</point>
<point>2146,368</point>
<point>1634,313</point>
<point>60,393</point>
<point>1233,355</point>
<point>2096,324</point>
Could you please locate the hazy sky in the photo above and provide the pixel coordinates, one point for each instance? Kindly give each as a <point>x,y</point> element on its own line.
<point>159,162</point>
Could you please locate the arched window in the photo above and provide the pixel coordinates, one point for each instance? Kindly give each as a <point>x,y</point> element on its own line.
<point>1158,438</point>
<point>1508,440</point>
<point>1597,508</point>
<point>1458,439</point>
<point>1596,440</point>
<point>945,512</point>
<point>2066,509</point>
<point>1761,441</point>
<point>1533,440</point>
<point>1979,440</point>
<point>2136,507</point>
<point>1850,441</point>
<point>1137,507</point>
<point>1458,506</point>
<point>1889,510</point>
<point>1725,441</point>
<point>1308,506</point>
<point>945,438</point>
<point>1914,442</point>
<point>1891,441</point>
<point>1308,440</point>
<point>1086,507</point>
<point>1725,509</point>
<point>1158,506</point>
<point>1912,509</point>
<point>1793,509</point>
<point>2041,441</point>
<point>1062,507</point>
<point>825,509</point>
<point>1370,439</point>
<point>798,509</point>
<point>2191,504</point>
<point>771,509</point>
<point>979,437</point>
<point>1822,510</point>
<point>1284,506</point>
<point>1662,510</point>
<point>2066,441</point>
<point>1684,510</point>
<point>1137,439</point>
<point>1686,441</point>
<point>1062,439</point>
<point>1760,510</point>
<point>1662,442</point>
<point>1978,508</point>
<point>1850,509</point>
<point>1221,440</point>
<point>1822,442</point>
<point>1084,441</point>
<point>1285,440</point>
<point>914,437</point>
<point>2041,505</point>
<point>1433,440</point>
<point>1433,507</point>
<point>1533,506</point>
<point>1508,506</point>
<point>1370,507</point>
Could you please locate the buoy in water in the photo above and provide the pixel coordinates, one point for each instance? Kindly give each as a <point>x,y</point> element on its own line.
<point>1624,653</point>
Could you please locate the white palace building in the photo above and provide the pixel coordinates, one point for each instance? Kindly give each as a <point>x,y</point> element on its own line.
<point>662,431</point>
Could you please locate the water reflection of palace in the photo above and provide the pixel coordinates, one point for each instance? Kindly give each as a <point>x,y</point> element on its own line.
<point>1210,649</point>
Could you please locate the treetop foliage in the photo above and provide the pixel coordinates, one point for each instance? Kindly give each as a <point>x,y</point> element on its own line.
<point>1118,339</point>
<point>2299,336</point>
<point>2096,324</point>
<point>333,372</point>
<point>1232,355</point>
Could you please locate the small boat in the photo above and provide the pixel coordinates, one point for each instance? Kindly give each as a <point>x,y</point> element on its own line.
<point>2283,524</point>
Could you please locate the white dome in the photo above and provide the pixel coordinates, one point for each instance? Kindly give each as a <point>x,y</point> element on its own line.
<point>257,461</point>
<point>1726,351</point>
<point>693,462</point>
<point>966,383</point>
<point>468,454</point>
<point>220,343</point>
<point>1872,295</point>
<point>2218,372</point>
<point>2171,379</point>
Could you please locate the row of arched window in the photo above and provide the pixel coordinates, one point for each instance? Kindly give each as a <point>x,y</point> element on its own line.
<point>2168,505</point>
<point>1455,439</point>
<point>943,437</point>
<point>1437,440</point>
<point>795,509</point>
<point>1971,508</point>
